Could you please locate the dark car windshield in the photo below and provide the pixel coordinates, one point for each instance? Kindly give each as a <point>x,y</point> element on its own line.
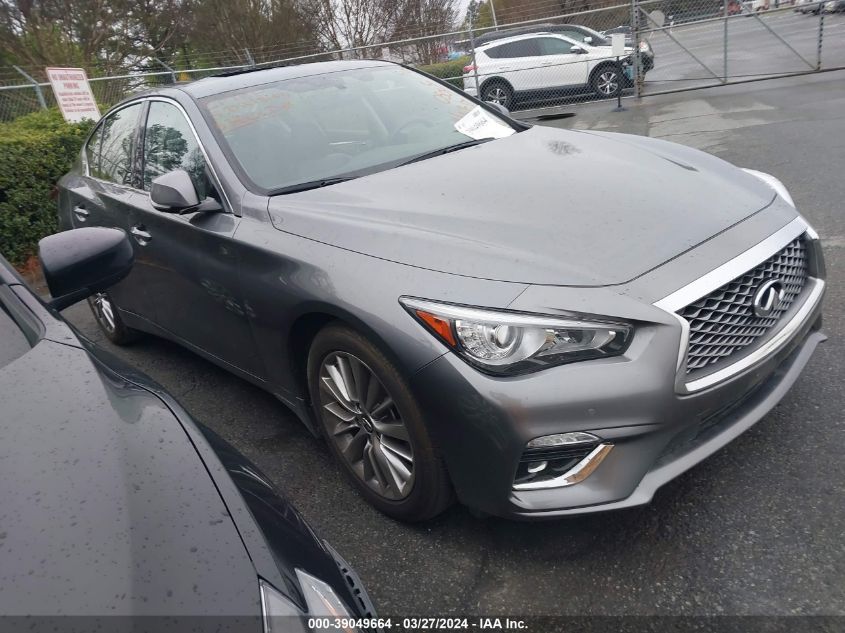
<point>325,128</point>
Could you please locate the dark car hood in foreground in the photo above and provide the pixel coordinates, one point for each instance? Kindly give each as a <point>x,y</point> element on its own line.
<point>106,507</point>
<point>543,206</point>
<point>113,501</point>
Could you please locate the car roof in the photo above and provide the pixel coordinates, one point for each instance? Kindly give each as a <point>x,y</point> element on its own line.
<point>225,83</point>
<point>546,27</point>
<point>524,36</point>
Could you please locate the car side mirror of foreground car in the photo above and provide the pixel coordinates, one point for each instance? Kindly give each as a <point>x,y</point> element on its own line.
<point>174,192</point>
<point>83,262</point>
<point>498,106</point>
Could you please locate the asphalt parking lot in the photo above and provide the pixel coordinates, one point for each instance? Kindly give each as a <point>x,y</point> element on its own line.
<point>755,529</point>
<point>769,44</point>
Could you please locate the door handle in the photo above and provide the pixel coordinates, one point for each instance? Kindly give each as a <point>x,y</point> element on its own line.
<point>81,213</point>
<point>140,235</point>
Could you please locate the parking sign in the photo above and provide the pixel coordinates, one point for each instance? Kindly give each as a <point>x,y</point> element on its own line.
<point>73,94</point>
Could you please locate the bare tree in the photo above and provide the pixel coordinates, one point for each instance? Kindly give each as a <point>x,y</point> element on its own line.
<point>269,29</point>
<point>427,17</point>
<point>353,23</point>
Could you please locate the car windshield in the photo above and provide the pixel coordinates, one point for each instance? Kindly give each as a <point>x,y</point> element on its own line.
<point>598,38</point>
<point>321,129</point>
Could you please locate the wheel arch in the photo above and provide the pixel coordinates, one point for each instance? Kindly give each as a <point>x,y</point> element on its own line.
<point>308,323</point>
<point>495,80</point>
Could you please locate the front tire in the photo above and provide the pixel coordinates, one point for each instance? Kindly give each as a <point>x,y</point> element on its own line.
<point>108,318</point>
<point>606,81</point>
<point>497,91</point>
<point>374,426</point>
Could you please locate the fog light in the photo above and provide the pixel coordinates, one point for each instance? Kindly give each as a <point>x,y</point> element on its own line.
<point>562,439</point>
<point>536,467</point>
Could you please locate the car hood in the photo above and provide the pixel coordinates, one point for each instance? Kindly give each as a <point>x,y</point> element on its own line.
<point>106,508</point>
<point>543,206</point>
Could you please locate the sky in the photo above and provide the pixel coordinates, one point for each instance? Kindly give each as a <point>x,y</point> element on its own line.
<point>462,8</point>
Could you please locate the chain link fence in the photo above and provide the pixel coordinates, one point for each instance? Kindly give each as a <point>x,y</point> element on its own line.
<point>558,59</point>
<point>738,41</point>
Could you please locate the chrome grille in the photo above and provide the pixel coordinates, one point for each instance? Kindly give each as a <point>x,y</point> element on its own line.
<point>723,322</point>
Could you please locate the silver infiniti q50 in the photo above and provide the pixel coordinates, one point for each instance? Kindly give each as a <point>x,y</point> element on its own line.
<point>532,321</point>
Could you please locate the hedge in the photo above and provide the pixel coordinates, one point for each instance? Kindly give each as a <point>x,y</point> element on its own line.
<point>448,70</point>
<point>35,151</point>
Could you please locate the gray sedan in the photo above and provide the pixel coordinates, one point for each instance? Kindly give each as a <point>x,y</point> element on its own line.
<point>536,322</point>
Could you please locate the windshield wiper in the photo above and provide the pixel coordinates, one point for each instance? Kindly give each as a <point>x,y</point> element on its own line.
<point>311,184</point>
<point>447,150</point>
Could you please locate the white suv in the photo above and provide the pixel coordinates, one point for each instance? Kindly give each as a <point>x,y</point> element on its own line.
<point>542,66</point>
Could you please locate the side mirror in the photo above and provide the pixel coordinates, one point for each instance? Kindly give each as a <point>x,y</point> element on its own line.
<point>498,106</point>
<point>577,50</point>
<point>588,39</point>
<point>174,192</point>
<point>83,262</point>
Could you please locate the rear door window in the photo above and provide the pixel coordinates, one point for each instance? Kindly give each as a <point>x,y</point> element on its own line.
<point>116,142</point>
<point>521,48</point>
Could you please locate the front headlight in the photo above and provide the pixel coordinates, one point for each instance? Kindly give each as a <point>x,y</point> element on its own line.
<point>510,343</point>
<point>282,616</point>
<point>776,185</point>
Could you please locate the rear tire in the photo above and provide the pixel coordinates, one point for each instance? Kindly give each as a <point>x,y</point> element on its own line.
<point>606,81</point>
<point>108,318</point>
<point>374,426</point>
<point>498,91</point>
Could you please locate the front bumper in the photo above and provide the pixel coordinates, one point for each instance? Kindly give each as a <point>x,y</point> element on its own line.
<point>632,402</point>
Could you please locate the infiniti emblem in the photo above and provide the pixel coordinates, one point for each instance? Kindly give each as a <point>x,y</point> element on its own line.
<point>768,298</point>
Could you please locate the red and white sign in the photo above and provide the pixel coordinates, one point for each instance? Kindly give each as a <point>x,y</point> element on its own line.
<point>73,94</point>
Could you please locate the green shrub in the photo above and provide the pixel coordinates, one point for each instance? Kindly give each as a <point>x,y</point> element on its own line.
<point>35,151</point>
<point>450,71</point>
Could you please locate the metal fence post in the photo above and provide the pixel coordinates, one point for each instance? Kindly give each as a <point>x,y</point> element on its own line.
<point>474,66</point>
<point>821,34</point>
<point>725,38</point>
<point>168,69</point>
<point>249,58</point>
<point>38,92</point>
<point>635,27</point>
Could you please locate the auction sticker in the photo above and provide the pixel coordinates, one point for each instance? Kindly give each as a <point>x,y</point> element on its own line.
<point>478,124</point>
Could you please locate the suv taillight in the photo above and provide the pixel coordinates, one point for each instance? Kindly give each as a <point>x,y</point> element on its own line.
<point>470,68</point>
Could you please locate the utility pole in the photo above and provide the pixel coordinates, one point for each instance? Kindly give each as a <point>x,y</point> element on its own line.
<point>493,12</point>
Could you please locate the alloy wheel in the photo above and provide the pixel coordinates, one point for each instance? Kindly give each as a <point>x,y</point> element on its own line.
<point>104,311</point>
<point>608,82</point>
<point>364,423</point>
<point>497,94</point>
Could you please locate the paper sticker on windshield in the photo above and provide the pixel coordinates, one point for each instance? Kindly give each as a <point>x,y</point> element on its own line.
<point>478,123</point>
